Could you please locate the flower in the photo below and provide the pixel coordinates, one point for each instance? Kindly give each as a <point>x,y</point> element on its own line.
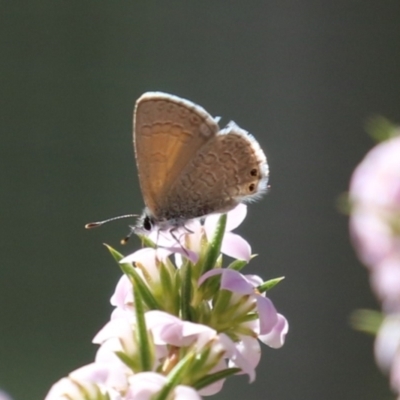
<point>387,349</point>
<point>375,218</point>
<point>87,383</point>
<point>385,280</point>
<point>375,229</point>
<point>270,327</point>
<point>375,198</point>
<point>145,385</point>
<point>233,245</point>
<point>178,330</point>
<point>123,295</point>
<point>387,342</point>
<point>4,395</point>
<point>395,373</point>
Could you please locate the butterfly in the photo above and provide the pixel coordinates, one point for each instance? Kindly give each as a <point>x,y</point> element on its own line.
<point>188,167</point>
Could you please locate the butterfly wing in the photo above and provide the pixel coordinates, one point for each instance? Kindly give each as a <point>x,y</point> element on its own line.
<point>168,132</point>
<point>231,168</point>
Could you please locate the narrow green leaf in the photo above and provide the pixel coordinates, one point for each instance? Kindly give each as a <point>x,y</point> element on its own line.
<point>147,242</point>
<point>167,289</point>
<point>202,359</point>
<point>268,285</point>
<point>217,376</point>
<point>87,394</point>
<point>221,304</point>
<point>139,285</point>
<point>344,204</point>
<point>214,247</point>
<point>129,361</point>
<point>208,289</point>
<point>203,314</point>
<point>237,265</point>
<point>367,321</point>
<point>380,128</point>
<point>115,254</point>
<point>145,348</point>
<point>176,376</point>
<point>186,291</point>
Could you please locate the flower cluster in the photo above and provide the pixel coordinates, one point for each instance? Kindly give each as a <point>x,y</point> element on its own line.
<point>179,329</point>
<point>375,229</point>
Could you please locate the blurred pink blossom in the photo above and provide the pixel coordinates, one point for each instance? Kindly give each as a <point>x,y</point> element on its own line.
<point>385,280</point>
<point>4,396</point>
<point>387,342</point>
<point>375,229</point>
<point>375,199</point>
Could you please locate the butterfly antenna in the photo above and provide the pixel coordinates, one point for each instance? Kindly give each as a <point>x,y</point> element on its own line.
<point>91,225</point>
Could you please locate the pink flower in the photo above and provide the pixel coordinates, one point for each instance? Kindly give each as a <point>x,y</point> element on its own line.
<point>86,382</point>
<point>385,280</point>
<point>148,257</point>
<point>170,330</point>
<point>145,385</point>
<point>4,396</point>
<point>123,294</point>
<point>165,329</point>
<point>387,349</point>
<point>387,342</point>
<point>375,198</point>
<point>118,334</point>
<point>270,326</point>
<point>276,337</point>
<point>395,373</point>
<point>119,373</point>
<point>233,245</point>
<point>375,228</point>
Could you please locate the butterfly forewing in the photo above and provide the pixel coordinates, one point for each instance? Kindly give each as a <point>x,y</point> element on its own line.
<point>168,132</point>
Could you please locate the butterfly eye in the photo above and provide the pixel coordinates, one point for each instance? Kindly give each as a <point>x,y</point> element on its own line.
<point>147,225</point>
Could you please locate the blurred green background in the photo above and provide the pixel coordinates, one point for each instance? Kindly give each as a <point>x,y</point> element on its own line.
<point>303,77</point>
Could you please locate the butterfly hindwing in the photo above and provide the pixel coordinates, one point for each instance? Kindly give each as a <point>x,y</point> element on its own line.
<point>229,169</point>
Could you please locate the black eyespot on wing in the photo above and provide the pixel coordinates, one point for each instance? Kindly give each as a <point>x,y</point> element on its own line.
<point>252,187</point>
<point>254,172</point>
